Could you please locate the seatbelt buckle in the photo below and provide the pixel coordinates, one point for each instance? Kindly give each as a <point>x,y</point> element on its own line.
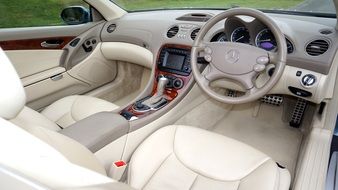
<point>117,170</point>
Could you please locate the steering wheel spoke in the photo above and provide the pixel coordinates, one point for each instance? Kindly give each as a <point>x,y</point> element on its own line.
<point>273,57</point>
<point>211,73</point>
<point>247,80</point>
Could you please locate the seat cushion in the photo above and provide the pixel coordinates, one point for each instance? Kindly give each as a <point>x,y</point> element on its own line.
<point>182,157</point>
<point>70,109</point>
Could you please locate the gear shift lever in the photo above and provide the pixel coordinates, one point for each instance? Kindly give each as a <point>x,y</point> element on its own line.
<point>157,100</point>
<point>162,83</point>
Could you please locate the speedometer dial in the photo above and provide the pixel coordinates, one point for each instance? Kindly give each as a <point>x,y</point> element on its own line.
<point>240,35</point>
<point>266,40</point>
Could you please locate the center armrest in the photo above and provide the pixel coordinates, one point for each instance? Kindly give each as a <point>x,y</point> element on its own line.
<point>98,130</point>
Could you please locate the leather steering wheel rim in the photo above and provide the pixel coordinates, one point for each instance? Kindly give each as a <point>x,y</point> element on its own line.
<point>234,60</point>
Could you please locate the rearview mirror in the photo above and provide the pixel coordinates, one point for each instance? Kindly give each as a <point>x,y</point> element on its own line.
<point>75,15</point>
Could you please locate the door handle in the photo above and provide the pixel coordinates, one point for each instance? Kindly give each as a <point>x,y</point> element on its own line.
<point>52,44</point>
<point>57,77</point>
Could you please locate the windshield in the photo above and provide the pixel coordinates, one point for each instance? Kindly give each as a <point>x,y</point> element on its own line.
<point>299,6</point>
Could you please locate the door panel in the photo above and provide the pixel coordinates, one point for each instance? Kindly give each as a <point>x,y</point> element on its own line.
<point>42,93</point>
<point>55,61</point>
<point>26,81</point>
<point>57,42</point>
<point>30,62</point>
<point>44,33</point>
<point>95,69</point>
<point>38,66</point>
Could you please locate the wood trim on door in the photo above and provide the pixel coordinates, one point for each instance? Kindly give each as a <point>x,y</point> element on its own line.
<point>36,44</point>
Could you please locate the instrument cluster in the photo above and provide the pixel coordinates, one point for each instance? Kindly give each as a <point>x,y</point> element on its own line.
<point>259,36</point>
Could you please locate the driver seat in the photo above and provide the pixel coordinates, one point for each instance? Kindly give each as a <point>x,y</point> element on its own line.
<point>174,157</point>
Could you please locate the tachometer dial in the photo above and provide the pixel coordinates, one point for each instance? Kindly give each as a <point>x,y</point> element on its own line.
<point>240,35</point>
<point>266,40</point>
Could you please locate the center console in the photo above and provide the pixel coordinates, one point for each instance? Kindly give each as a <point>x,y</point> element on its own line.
<point>98,130</point>
<point>172,74</point>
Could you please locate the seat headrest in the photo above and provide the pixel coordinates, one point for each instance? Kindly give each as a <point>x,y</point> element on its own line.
<point>12,94</point>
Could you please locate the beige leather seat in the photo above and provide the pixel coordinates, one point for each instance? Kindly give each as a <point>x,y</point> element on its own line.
<point>182,157</point>
<point>63,112</point>
<point>174,157</point>
<point>71,109</point>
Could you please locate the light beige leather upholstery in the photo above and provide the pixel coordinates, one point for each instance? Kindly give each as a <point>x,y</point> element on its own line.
<point>41,162</point>
<point>12,94</point>
<point>62,113</point>
<point>69,148</point>
<point>181,157</point>
<point>29,118</point>
<point>68,110</point>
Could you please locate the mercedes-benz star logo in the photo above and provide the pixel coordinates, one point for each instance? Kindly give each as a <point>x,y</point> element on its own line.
<point>232,56</point>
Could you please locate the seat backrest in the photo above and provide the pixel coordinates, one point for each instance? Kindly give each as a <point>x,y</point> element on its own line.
<point>12,96</point>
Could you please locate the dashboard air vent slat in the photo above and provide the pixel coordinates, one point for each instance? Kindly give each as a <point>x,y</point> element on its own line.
<point>194,33</point>
<point>317,47</point>
<point>172,31</point>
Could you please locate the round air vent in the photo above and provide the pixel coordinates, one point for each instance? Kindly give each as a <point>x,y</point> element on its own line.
<point>111,28</point>
<point>317,47</point>
<point>172,31</point>
<point>194,33</point>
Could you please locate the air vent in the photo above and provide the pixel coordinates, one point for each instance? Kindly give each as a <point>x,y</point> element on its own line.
<point>197,17</point>
<point>172,31</point>
<point>111,28</point>
<point>194,33</point>
<point>317,47</point>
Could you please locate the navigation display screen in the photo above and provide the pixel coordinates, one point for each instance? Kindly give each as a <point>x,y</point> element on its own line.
<point>174,61</point>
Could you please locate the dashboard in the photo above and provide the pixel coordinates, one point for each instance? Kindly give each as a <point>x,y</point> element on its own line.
<point>311,41</point>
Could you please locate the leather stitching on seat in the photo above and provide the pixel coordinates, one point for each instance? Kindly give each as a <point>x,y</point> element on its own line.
<point>193,183</point>
<point>71,108</point>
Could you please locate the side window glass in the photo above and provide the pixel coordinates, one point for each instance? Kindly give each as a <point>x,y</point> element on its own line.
<point>31,13</point>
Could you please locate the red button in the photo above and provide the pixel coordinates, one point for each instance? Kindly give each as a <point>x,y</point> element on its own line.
<point>119,163</point>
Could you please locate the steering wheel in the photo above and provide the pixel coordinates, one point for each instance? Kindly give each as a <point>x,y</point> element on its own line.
<point>236,61</point>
